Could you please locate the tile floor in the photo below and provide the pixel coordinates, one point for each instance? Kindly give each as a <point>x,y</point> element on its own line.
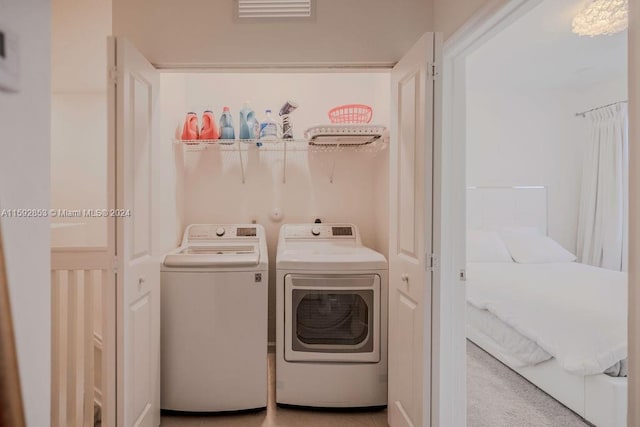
<point>275,416</point>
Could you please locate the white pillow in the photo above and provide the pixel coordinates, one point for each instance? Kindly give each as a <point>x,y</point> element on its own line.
<point>536,249</point>
<point>486,246</point>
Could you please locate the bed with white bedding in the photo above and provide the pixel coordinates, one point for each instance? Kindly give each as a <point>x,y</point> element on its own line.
<point>560,324</point>
<point>573,312</point>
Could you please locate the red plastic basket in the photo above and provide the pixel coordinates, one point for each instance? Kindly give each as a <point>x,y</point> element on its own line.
<point>352,113</point>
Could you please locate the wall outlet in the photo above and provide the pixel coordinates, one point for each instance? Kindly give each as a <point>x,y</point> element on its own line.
<point>9,61</point>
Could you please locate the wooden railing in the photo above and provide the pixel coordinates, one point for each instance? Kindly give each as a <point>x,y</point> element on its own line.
<point>82,281</point>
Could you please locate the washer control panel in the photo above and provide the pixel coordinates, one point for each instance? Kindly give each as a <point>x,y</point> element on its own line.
<point>320,231</point>
<point>201,232</point>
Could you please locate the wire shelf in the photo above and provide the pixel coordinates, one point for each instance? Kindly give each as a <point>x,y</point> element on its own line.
<point>279,145</point>
<point>286,147</point>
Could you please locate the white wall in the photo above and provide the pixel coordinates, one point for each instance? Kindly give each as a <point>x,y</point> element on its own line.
<point>527,138</point>
<point>449,15</point>
<point>532,137</point>
<point>78,165</point>
<point>522,128</point>
<point>79,118</point>
<point>210,187</point>
<point>24,183</point>
<point>206,32</point>
<point>602,93</point>
<point>79,45</point>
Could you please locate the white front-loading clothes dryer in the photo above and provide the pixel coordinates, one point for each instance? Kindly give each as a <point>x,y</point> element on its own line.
<point>331,318</point>
<point>214,320</point>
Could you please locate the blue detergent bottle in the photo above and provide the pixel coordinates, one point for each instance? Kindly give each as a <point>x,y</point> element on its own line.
<point>248,122</point>
<point>226,125</point>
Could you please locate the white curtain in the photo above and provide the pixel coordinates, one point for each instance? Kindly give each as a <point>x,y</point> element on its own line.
<point>603,216</point>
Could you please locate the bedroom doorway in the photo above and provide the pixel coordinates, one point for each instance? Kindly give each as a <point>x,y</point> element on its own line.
<point>534,98</point>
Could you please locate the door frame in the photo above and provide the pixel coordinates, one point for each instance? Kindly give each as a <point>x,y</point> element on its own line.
<point>450,321</point>
<point>449,392</point>
<point>633,411</point>
<point>110,290</point>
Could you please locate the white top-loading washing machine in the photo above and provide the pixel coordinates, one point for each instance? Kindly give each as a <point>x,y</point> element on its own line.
<point>214,320</point>
<point>331,318</point>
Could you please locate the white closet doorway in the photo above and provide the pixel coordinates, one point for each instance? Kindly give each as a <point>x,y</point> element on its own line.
<point>477,117</point>
<point>143,159</point>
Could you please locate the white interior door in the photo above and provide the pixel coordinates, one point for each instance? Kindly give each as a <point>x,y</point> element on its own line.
<point>410,245</point>
<point>133,99</point>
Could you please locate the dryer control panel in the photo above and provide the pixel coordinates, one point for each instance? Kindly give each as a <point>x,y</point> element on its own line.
<point>320,231</point>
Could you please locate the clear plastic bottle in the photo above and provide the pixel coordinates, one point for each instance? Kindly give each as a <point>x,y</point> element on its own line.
<point>268,128</point>
<point>226,125</point>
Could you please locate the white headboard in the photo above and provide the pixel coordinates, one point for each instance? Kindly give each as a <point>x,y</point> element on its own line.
<point>494,208</point>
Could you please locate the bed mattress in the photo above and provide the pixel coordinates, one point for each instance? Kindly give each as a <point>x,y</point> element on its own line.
<point>518,350</point>
<point>538,312</point>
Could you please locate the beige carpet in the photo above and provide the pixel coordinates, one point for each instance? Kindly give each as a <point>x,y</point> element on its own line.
<point>498,397</point>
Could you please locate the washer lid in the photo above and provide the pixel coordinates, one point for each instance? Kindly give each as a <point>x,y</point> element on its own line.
<point>214,255</point>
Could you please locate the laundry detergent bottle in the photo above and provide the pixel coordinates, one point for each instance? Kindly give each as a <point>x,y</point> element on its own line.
<point>209,128</point>
<point>190,128</point>
<point>226,125</point>
<point>249,126</point>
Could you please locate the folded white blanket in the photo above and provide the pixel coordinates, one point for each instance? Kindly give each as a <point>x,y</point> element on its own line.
<point>519,351</point>
<point>575,312</point>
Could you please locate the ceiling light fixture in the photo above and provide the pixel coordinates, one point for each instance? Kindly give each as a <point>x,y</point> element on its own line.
<point>602,17</point>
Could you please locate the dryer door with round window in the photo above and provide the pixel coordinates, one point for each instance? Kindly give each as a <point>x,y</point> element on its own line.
<point>332,318</point>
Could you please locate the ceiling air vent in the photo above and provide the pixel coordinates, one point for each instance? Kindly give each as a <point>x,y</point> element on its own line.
<point>274,9</point>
